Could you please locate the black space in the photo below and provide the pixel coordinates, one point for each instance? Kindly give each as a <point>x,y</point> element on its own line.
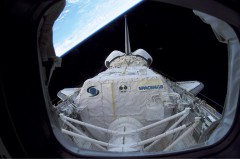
<point>182,47</point>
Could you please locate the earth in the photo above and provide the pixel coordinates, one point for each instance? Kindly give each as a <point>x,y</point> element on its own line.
<point>82,18</point>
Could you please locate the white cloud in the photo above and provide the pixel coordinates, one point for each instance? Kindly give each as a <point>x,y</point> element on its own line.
<point>72,1</point>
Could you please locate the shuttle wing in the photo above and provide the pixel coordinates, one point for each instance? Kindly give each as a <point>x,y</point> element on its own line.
<point>67,92</point>
<point>191,86</point>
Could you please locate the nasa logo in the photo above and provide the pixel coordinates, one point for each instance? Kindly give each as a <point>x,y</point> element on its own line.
<point>145,88</point>
<point>93,91</point>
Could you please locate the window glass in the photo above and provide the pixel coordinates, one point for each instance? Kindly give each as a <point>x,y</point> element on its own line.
<point>156,80</point>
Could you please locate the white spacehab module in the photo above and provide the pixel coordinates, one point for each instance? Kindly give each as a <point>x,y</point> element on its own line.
<point>131,108</point>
